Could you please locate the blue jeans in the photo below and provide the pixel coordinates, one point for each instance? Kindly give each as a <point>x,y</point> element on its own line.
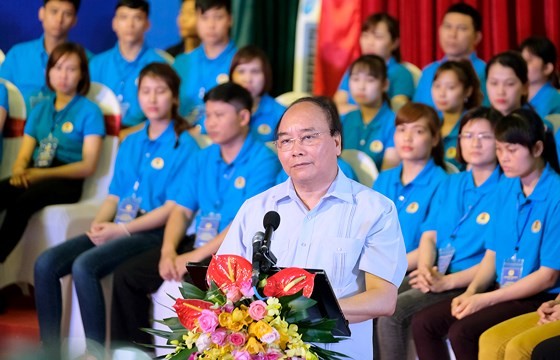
<point>88,264</point>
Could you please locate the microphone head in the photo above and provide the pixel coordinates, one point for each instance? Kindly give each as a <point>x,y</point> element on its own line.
<point>259,236</point>
<point>271,218</point>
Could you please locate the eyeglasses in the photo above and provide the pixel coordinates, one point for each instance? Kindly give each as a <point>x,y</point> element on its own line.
<point>287,144</point>
<point>481,136</point>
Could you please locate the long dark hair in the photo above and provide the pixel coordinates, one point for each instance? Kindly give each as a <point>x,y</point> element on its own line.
<point>542,47</point>
<point>65,49</point>
<point>514,61</point>
<point>392,26</point>
<point>374,66</point>
<point>489,114</point>
<point>166,73</point>
<point>467,77</point>
<point>525,127</point>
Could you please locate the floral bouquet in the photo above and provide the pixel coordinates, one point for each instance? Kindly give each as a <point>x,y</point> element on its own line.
<point>233,321</point>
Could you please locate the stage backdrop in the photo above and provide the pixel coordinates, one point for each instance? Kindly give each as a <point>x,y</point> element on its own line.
<point>505,24</point>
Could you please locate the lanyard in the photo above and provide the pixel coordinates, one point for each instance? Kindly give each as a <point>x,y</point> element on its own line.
<point>58,116</point>
<point>519,233</point>
<point>224,178</point>
<point>466,214</point>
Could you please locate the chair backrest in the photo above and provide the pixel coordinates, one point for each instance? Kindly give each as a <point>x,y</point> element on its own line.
<point>13,128</point>
<point>414,70</point>
<point>289,97</point>
<point>2,57</point>
<point>554,120</point>
<point>451,168</point>
<point>166,56</point>
<point>202,140</point>
<point>97,185</point>
<point>362,164</point>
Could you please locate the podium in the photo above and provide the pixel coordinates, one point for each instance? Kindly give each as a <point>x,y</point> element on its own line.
<point>327,305</point>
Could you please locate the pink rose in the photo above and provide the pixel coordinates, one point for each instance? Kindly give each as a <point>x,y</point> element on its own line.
<point>241,355</point>
<point>273,354</point>
<point>193,356</point>
<point>233,293</point>
<point>247,289</point>
<point>237,339</point>
<point>219,337</point>
<point>270,337</point>
<point>208,321</point>
<point>257,310</point>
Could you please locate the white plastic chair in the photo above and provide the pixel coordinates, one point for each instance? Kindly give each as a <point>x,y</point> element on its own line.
<point>362,164</point>
<point>451,168</point>
<point>13,129</point>
<point>166,56</point>
<point>414,70</point>
<point>289,97</point>
<point>2,57</point>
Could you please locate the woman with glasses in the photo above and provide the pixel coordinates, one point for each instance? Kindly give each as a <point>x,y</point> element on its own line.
<point>454,232</point>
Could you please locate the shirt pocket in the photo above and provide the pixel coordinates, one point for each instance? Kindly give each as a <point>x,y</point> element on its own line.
<point>344,256</point>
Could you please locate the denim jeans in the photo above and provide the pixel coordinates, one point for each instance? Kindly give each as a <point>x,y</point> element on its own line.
<point>88,264</point>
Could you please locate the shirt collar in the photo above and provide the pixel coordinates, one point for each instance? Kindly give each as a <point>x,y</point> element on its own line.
<point>392,61</point>
<point>165,136</point>
<point>542,91</point>
<point>541,189</point>
<point>341,188</point>
<point>472,58</point>
<point>263,104</point>
<point>488,185</point>
<point>243,154</point>
<point>122,59</point>
<point>423,178</point>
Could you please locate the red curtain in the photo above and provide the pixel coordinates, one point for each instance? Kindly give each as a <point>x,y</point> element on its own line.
<point>505,24</point>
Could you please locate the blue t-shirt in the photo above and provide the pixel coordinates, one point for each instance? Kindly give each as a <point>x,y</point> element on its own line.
<point>25,67</point>
<point>266,117</point>
<point>120,75</point>
<point>401,81</point>
<point>154,164</point>
<point>546,101</point>
<point>412,200</point>
<point>423,92</point>
<point>210,185</point>
<point>373,138</point>
<point>461,214</point>
<point>3,104</point>
<point>79,118</point>
<point>530,224</point>
<point>450,143</point>
<point>198,75</point>
<point>343,165</point>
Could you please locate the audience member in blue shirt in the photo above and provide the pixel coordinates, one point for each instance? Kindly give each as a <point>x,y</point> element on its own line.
<point>459,34</point>
<point>131,218</point>
<point>25,64</point>
<point>380,36</point>
<point>454,233</point>
<point>523,254</point>
<point>251,69</point>
<point>370,128</point>
<point>214,186</point>
<point>207,65</point>
<point>4,109</point>
<point>540,55</point>
<point>455,89</point>
<point>413,183</point>
<point>118,68</point>
<point>60,147</point>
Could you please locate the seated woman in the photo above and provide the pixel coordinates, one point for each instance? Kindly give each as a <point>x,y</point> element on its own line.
<point>132,217</point>
<point>454,233</point>
<point>522,255</point>
<point>518,337</point>
<point>412,184</point>
<point>455,89</point>
<point>3,113</point>
<point>370,128</point>
<point>60,147</point>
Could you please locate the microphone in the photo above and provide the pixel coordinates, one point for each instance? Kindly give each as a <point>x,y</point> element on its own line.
<point>257,256</point>
<point>271,222</point>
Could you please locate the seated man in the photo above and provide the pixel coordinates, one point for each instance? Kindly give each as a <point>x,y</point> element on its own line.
<point>459,34</point>
<point>119,67</point>
<point>25,63</point>
<point>215,184</point>
<point>328,222</point>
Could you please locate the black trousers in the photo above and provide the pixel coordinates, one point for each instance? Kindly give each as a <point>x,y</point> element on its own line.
<point>547,350</point>
<point>20,204</point>
<point>133,282</point>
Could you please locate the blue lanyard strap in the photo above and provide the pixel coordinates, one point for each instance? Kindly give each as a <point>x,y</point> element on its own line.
<point>519,232</point>
<point>466,214</point>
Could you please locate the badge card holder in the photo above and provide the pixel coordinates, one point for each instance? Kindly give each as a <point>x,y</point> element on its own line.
<point>47,151</point>
<point>511,271</point>
<point>207,229</point>
<point>128,209</point>
<point>444,258</point>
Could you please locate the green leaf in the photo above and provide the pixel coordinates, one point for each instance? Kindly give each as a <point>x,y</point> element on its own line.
<point>172,323</point>
<point>183,354</point>
<point>324,354</point>
<point>189,291</point>
<point>161,333</point>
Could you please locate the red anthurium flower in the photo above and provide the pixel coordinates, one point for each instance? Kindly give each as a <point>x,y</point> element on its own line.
<point>229,271</point>
<point>288,282</point>
<point>189,311</point>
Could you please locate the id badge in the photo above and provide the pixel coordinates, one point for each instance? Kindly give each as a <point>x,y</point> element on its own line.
<point>47,151</point>
<point>207,229</point>
<point>124,108</point>
<point>511,271</point>
<point>444,258</point>
<point>128,210</point>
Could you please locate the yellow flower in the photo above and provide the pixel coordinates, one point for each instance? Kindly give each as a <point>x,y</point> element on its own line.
<point>273,306</point>
<point>254,346</point>
<point>190,338</point>
<point>259,329</point>
<point>225,319</point>
<point>309,355</point>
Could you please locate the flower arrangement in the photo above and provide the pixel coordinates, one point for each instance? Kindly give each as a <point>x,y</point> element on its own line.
<point>232,321</point>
